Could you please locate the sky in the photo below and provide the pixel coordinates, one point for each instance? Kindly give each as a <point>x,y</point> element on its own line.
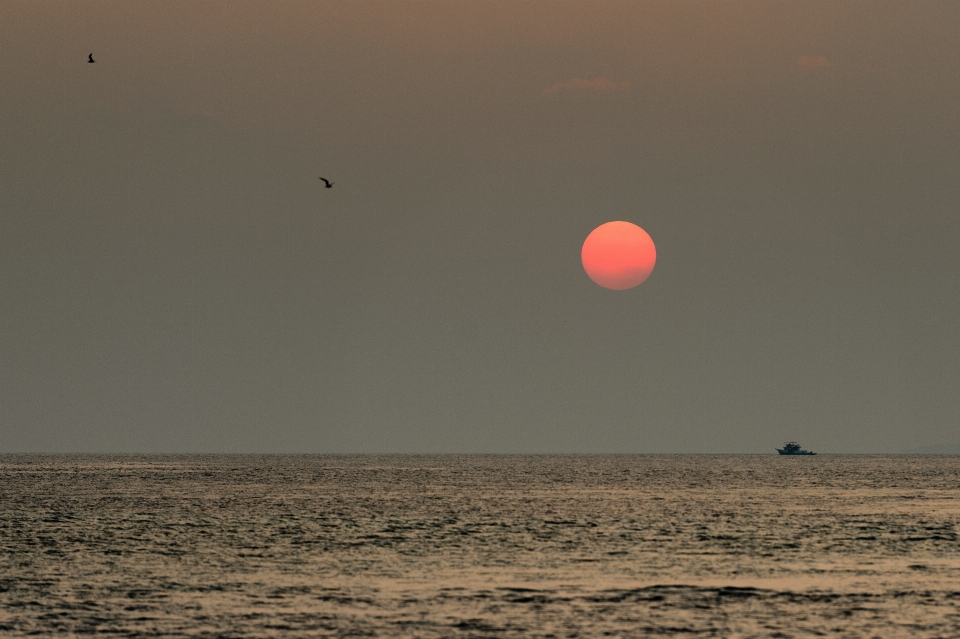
<point>175,278</point>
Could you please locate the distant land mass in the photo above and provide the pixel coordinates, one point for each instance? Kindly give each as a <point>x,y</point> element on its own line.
<point>935,449</point>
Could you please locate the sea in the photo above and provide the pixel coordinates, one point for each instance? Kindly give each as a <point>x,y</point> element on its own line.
<point>479,546</point>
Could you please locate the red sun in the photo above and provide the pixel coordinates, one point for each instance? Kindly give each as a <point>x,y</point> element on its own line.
<point>618,255</point>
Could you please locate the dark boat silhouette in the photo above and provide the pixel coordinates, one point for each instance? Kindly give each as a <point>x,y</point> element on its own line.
<point>793,448</point>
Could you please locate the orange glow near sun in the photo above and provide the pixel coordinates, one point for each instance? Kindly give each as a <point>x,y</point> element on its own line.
<point>618,255</point>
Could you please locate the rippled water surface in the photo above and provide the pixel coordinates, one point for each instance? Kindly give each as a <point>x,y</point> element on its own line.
<point>480,546</point>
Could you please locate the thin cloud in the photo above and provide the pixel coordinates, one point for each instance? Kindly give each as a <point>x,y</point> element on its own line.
<point>579,85</point>
<point>812,62</point>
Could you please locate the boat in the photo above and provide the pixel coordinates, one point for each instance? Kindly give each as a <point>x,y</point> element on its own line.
<point>793,448</point>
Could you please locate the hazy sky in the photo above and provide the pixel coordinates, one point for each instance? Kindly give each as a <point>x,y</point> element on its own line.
<point>174,277</point>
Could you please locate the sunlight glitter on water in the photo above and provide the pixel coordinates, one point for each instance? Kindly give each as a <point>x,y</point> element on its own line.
<point>441,546</point>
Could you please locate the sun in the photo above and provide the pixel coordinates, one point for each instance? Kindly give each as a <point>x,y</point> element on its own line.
<point>618,255</point>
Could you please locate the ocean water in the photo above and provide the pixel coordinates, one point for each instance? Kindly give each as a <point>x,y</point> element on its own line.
<point>480,546</point>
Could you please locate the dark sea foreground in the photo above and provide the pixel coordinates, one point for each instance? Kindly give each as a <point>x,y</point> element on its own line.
<point>480,546</point>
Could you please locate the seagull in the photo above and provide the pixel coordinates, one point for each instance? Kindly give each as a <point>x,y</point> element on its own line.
<point>327,183</point>
<point>90,59</point>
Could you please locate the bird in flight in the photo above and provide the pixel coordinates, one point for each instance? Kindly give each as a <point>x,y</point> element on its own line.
<point>327,183</point>
<point>90,59</point>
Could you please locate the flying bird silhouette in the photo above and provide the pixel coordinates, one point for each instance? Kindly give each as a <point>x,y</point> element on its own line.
<point>327,183</point>
<point>90,59</point>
